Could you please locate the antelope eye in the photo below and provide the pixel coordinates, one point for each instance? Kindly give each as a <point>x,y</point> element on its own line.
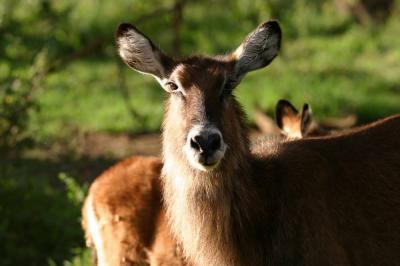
<point>171,87</point>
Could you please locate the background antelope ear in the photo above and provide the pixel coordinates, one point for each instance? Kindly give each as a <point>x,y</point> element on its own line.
<point>138,52</point>
<point>259,48</point>
<point>285,113</point>
<point>306,118</point>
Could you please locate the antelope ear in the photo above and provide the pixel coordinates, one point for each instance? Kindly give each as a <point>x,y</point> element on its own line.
<point>306,118</point>
<point>258,49</point>
<point>286,115</point>
<point>138,52</point>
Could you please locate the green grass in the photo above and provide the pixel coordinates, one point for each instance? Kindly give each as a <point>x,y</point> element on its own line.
<point>354,72</point>
<point>92,101</point>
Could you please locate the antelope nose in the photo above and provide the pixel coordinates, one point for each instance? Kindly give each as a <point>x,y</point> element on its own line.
<point>206,144</point>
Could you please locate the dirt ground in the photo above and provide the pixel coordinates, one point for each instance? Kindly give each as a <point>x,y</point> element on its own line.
<point>120,145</point>
<point>87,154</point>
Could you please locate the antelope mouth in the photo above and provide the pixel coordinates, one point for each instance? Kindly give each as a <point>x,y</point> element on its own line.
<point>206,164</point>
<point>210,164</point>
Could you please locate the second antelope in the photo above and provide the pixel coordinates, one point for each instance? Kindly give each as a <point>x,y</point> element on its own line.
<point>296,125</point>
<point>124,219</point>
<point>292,124</point>
<point>320,201</point>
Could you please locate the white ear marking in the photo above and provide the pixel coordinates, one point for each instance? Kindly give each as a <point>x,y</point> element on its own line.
<point>259,48</point>
<point>138,52</point>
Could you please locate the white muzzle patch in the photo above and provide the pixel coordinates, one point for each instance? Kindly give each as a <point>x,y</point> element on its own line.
<point>198,158</point>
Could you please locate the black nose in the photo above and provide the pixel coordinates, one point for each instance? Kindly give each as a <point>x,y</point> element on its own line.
<point>206,143</point>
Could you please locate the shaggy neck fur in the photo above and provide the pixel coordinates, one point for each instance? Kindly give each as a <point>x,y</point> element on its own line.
<point>211,213</point>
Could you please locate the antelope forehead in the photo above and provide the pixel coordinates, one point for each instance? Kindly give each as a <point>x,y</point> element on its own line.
<point>201,77</point>
<point>178,71</point>
<point>180,68</point>
<point>180,76</point>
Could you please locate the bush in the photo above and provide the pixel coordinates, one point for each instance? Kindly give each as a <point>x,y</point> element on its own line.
<point>40,223</point>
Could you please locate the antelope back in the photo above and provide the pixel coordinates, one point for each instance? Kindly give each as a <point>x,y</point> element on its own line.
<point>120,214</point>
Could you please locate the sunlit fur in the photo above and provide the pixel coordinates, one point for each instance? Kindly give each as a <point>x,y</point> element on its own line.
<point>190,194</point>
<point>124,220</point>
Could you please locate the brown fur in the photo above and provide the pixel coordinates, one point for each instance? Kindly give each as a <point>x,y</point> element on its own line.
<point>164,250</point>
<point>319,201</point>
<point>127,203</point>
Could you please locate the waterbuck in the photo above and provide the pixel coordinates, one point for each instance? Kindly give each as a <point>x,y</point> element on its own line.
<point>320,201</point>
<point>295,125</point>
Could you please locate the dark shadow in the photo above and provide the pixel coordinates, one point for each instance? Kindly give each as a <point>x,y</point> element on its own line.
<point>39,222</point>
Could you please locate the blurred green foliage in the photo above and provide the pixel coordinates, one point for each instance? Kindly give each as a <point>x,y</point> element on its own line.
<point>14,114</point>
<point>59,72</point>
<point>40,221</point>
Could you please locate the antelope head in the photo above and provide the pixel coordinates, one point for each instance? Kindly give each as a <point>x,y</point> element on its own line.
<point>294,124</point>
<point>203,123</point>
